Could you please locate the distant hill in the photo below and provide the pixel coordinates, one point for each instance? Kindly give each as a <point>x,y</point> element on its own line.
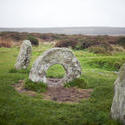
<point>72,30</point>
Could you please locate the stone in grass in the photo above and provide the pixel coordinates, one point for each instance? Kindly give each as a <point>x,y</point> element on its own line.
<point>62,56</point>
<point>24,56</point>
<point>118,104</point>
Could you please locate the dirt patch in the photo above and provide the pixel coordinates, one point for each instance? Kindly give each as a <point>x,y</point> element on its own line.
<point>20,88</point>
<point>58,94</point>
<point>61,94</point>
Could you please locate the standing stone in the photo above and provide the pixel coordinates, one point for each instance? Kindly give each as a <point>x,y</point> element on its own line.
<point>62,56</point>
<point>118,105</point>
<point>24,56</point>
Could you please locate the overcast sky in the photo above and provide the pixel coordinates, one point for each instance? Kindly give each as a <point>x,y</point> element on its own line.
<point>62,13</point>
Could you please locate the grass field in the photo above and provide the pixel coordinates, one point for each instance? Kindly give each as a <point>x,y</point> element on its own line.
<point>99,73</point>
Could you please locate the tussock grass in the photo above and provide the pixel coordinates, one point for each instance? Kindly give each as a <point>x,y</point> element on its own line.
<point>38,87</point>
<point>78,82</point>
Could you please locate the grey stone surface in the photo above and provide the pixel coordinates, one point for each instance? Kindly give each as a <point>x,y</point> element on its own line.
<point>62,56</point>
<point>118,104</point>
<point>24,56</point>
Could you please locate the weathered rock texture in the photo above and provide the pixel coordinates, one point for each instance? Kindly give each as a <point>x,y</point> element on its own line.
<point>118,105</point>
<point>62,56</point>
<point>24,56</point>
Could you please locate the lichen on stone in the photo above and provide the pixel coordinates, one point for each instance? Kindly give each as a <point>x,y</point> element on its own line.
<point>24,56</point>
<point>118,104</point>
<point>62,56</point>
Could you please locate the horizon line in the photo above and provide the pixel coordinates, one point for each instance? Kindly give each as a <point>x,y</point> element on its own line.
<point>71,27</point>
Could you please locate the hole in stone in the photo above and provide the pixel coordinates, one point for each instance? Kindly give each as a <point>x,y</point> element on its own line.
<point>55,73</point>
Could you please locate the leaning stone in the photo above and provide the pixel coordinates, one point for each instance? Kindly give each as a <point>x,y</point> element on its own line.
<point>118,105</point>
<point>62,56</point>
<point>24,56</point>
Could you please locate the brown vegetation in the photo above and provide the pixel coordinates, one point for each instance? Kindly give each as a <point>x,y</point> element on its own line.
<point>96,44</point>
<point>6,43</point>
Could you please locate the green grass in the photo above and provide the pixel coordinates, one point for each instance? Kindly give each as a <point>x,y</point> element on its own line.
<point>20,109</point>
<point>55,71</point>
<point>14,70</point>
<point>78,82</point>
<point>38,87</point>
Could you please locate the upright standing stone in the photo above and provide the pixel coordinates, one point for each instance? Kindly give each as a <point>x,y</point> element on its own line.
<point>62,56</point>
<point>118,105</point>
<point>24,56</point>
